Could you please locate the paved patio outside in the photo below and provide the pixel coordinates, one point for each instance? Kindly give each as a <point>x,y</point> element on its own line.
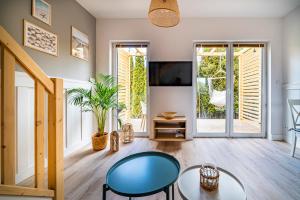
<point>137,125</point>
<point>218,125</point>
<point>212,126</point>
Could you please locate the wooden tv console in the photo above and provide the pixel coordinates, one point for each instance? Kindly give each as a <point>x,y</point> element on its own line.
<point>169,129</point>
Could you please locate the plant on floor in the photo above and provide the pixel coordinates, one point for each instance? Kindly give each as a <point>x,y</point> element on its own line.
<point>99,99</point>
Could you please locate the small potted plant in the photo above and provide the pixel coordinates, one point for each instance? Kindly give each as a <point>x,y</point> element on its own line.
<point>99,99</point>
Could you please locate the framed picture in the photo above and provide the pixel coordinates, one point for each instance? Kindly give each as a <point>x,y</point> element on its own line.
<point>79,44</point>
<point>42,11</point>
<point>37,38</point>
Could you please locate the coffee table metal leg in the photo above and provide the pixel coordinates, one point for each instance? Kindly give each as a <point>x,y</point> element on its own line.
<point>167,193</point>
<point>105,188</point>
<point>173,192</point>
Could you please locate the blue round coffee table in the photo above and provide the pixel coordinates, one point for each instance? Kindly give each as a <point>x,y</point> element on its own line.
<point>142,174</point>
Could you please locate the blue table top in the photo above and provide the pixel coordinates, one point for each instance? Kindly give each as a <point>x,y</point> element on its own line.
<point>143,173</point>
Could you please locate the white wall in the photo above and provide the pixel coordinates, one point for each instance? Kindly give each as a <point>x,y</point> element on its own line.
<point>291,65</point>
<point>78,126</point>
<point>177,44</point>
<point>291,47</point>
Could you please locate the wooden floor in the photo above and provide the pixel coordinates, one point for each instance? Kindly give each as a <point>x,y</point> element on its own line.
<point>264,167</point>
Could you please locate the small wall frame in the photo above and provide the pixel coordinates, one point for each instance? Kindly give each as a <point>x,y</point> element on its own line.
<point>42,11</point>
<point>79,44</point>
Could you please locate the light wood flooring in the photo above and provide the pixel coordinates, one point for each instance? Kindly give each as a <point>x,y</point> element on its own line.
<point>264,167</point>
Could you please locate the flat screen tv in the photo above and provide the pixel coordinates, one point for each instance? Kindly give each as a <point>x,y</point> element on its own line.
<point>170,73</point>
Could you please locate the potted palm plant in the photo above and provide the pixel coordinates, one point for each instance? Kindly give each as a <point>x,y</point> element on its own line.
<point>99,99</point>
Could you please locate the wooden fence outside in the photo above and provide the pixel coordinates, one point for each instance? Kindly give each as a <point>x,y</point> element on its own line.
<point>124,83</point>
<point>250,85</point>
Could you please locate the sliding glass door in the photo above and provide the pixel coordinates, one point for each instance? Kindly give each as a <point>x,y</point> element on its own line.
<point>212,61</point>
<point>229,89</point>
<point>130,68</point>
<point>248,89</point>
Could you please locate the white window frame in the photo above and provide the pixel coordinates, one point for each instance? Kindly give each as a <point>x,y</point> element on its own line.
<point>114,70</point>
<point>229,98</point>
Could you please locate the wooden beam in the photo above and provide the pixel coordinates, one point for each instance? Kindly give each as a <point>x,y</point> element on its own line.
<point>25,191</point>
<point>212,50</point>
<point>8,132</point>
<point>39,134</point>
<point>1,94</point>
<point>25,60</point>
<point>55,140</point>
<point>211,53</point>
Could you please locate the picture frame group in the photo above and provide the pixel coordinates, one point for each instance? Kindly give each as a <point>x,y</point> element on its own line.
<point>40,39</point>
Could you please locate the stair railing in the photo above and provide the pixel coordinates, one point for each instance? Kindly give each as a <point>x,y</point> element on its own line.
<point>11,54</point>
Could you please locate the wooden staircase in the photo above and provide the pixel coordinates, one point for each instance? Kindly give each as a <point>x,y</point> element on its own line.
<point>11,54</point>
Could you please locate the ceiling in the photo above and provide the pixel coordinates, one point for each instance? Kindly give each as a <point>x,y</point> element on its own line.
<point>192,8</point>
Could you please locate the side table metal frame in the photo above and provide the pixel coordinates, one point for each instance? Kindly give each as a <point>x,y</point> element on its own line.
<point>165,189</point>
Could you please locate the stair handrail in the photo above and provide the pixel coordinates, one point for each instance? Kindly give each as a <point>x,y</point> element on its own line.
<point>12,54</point>
<point>25,60</point>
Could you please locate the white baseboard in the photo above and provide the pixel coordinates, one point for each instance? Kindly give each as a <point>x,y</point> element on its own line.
<point>74,148</point>
<point>276,137</point>
<point>290,139</point>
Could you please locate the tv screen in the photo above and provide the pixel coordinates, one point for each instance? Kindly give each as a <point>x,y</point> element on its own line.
<point>170,73</point>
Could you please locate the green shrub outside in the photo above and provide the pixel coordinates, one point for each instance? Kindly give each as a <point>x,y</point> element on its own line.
<point>138,85</point>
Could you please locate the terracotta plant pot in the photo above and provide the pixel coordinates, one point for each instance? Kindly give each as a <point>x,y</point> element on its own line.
<point>99,142</point>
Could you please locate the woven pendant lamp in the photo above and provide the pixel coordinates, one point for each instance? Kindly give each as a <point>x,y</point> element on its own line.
<point>164,13</point>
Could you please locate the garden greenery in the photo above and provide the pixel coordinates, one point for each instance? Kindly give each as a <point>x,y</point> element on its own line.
<point>209,66</point>
<point>138,85</point>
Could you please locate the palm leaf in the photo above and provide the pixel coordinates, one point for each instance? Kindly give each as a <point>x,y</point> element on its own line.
<point>99,99</point>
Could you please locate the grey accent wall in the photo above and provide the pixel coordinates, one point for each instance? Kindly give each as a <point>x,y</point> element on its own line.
<point>65,13</point>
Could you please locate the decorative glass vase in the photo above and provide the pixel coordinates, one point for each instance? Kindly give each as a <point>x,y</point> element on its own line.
<point>114,141</point>
<point>127,133</point>
<point>209,176</point>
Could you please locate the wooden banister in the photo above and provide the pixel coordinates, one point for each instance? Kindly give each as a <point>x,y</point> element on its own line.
<point>12,53</point>
<point>39,134</point>
<point>25,191</point>
<point>25,60</point>
<point>8,133</point>
<point>55,140</point>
